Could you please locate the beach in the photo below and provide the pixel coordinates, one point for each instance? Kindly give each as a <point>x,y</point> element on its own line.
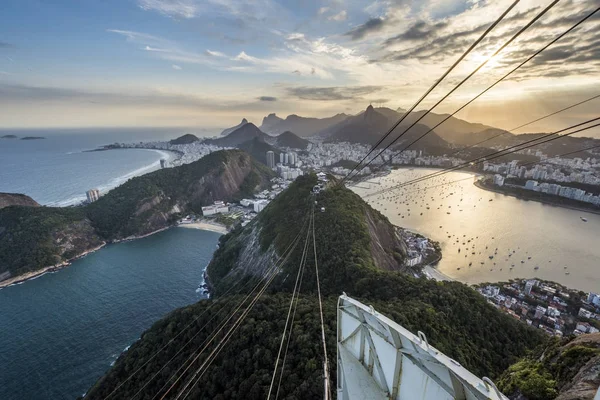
<point>206,226</point>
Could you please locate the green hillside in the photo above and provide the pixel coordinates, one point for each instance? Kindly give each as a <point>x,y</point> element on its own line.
<point>34,238</point>
<point>455,318</point>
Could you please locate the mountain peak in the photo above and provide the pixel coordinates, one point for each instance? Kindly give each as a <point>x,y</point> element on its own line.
<point>233,128</point>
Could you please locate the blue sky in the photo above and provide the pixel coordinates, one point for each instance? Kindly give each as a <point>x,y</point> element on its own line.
<point>210,63</point>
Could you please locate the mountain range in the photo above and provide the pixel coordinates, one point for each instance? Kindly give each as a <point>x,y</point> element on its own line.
<point>301,126</point>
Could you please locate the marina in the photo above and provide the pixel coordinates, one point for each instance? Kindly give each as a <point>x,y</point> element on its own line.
<point>541,237</point>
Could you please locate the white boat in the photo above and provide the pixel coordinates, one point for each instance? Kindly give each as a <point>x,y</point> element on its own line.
<point>583,219</point>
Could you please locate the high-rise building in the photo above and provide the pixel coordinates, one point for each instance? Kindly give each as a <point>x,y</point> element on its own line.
<point>281,158</point>
<point>528,286</point>
<point>163,163</point>
<point>270,159</point>
<point>286,158</point>
<point>92,195</point>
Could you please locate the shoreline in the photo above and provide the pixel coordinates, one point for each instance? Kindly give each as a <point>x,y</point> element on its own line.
<point>50,269</point>
<point>19,279</point>
<point>206,226</point>
<point>171,156</point>
<point>57,267</point>
<point>550,203</point>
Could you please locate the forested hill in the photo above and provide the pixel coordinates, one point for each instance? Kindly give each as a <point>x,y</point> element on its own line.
<point>356,238</point>
<point>455,318</point>
<point>32,238</point>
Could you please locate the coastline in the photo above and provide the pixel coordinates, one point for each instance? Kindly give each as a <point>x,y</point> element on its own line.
<point>550,203</point>
<point>212,227</point>
<point>52,268</point>
<point>206,226</point>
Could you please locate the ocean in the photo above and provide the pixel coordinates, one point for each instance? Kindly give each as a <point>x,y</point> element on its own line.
<point>60,332</point>
<point>57,171</point>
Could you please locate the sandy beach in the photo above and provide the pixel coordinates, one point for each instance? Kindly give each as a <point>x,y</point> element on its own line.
<point>206,226</point>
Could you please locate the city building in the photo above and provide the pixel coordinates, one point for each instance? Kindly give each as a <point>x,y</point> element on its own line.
<point>260,205</point>
<point>92,195</point>
<point>528,286</point>
<point>539,312</point>
<point>164,163</point>
<point>594,299</point>
<point>270,159</point>
<point>498,180</point>
<point>217,208</point>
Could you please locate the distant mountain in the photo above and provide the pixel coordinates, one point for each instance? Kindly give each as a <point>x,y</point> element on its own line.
<point>185,139</point>
<point>8,137</point>
<point>301,126</point>
<point>366,128</point>
<point>233,128</point>
<point>258,148</point>
<point>454,130</point>
<point>246,132</point>
<point>369,126</point>
<point>270,123</point>
<point>16,199</point>
<point>290,139</point>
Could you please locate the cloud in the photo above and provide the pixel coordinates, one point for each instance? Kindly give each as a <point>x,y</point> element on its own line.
<point>172,8</point>
<point>341,16</point>
<point>176,67</point>
<point>12,94</point>
<point>323,10</point>
<point>5,45</point>
<point>420,30</point>
<point>332,93</point>
<point>214,53</point>
<point>267,98</point>
<point>372,25</point>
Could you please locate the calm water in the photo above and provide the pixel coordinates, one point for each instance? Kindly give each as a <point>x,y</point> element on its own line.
<point>57,171</point>
<point>61,332</point>
<point>553,237</point>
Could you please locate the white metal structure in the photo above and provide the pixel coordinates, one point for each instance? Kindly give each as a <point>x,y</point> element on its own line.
<point>379,359</point>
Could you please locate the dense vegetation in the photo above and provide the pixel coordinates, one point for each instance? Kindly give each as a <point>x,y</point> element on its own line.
<point>455,318</point>
<point>342,230</point>
<point>28,236</point>
<point>550,370</point>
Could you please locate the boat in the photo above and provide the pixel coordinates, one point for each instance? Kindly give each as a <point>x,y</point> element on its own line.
<point>536,267</point>
<point>583,219</point>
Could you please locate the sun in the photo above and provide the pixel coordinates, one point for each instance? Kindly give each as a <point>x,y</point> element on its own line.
<point>480,58</point>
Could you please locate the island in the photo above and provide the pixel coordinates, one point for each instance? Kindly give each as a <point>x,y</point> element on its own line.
<point>33,138</point>
<point>8,137</point>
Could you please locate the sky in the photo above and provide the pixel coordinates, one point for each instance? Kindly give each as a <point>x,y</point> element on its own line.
<point>210,63</point>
